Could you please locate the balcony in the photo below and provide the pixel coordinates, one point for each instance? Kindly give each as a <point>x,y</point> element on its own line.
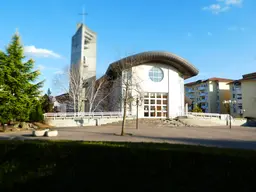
<point>204,107</point>
<point>201,88</point>
<point>202,101</point>
<point>202,94</point>
<point>239,101</point>
<point>191,96</point>
<point>237,91</point>
<point>191,91</point>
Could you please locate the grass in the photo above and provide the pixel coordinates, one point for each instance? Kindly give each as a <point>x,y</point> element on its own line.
<point>106,166</point>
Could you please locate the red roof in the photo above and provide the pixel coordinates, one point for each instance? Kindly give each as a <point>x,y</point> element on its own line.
<point>249,76</point>
<point>210,79</point>
<point>219,79</point>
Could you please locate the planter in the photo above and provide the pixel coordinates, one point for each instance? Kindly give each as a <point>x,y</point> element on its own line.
<point>39,133</point>
<point>51,133</point>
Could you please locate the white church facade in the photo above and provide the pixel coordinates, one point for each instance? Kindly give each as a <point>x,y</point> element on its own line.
<point>156,78</point>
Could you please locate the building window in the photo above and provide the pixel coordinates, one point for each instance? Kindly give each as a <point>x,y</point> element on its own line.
<point>155,104</point>
<point>156,74</point>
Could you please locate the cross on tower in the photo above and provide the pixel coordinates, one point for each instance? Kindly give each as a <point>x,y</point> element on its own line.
<point>83,15</point>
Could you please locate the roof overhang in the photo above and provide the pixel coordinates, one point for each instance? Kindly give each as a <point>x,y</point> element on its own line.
<point>180,64</point>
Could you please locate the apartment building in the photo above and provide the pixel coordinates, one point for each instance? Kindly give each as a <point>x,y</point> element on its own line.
<point>243,91</point>
<point>236,95</point>
<point>209,94</point>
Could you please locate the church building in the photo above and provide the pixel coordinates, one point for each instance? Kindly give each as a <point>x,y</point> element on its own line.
<point>153,80</point>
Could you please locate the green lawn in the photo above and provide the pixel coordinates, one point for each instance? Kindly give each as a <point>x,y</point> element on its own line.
<point>103,166</point>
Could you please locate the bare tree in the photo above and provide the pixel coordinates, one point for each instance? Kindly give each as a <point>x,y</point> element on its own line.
<point>97,93</point>
<point>70,82</point>
<point>126,79</point>
<point>82,91</point>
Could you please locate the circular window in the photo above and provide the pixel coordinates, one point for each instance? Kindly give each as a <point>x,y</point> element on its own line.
<point>156,74</point>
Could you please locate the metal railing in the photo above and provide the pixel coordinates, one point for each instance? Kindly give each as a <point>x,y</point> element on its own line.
<point>207,115</point>
<point>85,114</point>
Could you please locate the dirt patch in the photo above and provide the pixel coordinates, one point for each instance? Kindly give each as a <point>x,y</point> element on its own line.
<point>42,125</point>
<point>29,126</point>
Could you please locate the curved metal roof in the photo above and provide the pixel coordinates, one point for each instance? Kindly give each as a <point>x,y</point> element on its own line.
<point>180,64</point>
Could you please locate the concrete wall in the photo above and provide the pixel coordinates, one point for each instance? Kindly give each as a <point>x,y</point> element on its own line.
<point>89,44</point>
<point>249,98</point>
<point>61,122</point>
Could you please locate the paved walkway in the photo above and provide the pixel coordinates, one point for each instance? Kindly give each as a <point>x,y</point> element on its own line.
<point>237,137</point>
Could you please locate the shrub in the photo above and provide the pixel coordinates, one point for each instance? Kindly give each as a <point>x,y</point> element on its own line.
<point>197,109</point>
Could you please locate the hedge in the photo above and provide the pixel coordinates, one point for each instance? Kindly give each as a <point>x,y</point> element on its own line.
<point>103,166</point>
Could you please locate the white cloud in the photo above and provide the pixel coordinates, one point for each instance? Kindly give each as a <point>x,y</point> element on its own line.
<point>232,2</point>
<point>236,28</point>
<point>216,8</point>
<point>209,34</point>
<point>38,52</point>
<point>59,72</point>
<point>223,6</point>
<point>41,67</point>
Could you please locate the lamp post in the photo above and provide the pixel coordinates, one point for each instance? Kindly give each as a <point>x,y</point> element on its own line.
<point>229,103</point>
<point>137,104</point>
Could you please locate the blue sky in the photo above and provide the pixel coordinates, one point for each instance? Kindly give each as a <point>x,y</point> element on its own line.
<point>216,36</point>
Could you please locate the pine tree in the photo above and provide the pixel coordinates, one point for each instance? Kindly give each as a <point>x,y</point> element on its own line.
<point>36,114</point>
<point>197,109</point>
<point>49,92</point>
<point>47,105</point>
<point>19,92</point>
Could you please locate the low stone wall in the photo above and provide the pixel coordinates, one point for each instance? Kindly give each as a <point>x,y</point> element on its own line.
<point>80,122</point>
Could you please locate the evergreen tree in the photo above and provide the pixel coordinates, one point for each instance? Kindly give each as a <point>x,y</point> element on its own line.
<point>197,109</point>
<point>19,92</point>
<point>49,92</point>
<point>36,114</point>
<point>47,105</point>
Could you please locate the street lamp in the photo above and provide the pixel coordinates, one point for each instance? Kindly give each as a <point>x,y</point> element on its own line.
<point>242,112</point>
<point>137,104</point>
<point>229,103</point>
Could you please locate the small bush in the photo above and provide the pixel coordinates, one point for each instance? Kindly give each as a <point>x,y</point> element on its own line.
<point>197,109</point>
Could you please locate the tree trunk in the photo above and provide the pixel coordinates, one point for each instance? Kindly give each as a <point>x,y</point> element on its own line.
<point>124,117</point>
<point>74,103</point>
<point>124,114</point>
<point>4,129</point>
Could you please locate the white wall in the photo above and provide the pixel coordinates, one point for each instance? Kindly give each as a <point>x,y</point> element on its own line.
<point>172,83</point>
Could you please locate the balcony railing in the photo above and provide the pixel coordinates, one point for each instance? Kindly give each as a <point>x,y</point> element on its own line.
<point>202,94</point>
<point>191,91</point>
<point>201,88</point>
<point>239,101</point>
<point>237,91</point>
